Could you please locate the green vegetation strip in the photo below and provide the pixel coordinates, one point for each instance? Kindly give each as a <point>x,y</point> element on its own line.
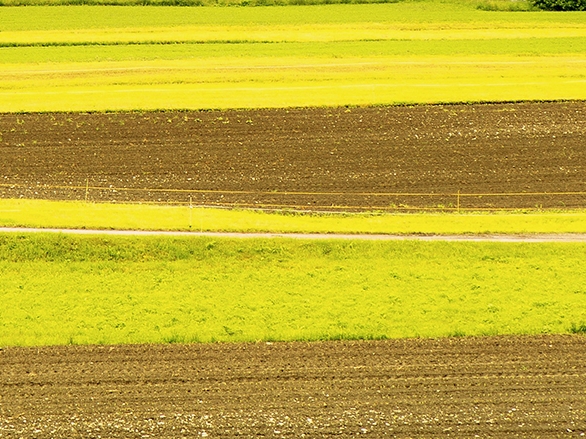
<point>60,289</point>
<point>60,214</point>
<point>96,58</point>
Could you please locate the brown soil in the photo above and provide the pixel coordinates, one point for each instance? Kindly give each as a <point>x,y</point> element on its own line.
<point>497,387</point>
<point>332,156</point>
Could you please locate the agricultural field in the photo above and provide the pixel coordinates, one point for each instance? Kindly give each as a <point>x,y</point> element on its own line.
<point>467,157</point>
<point>88,58</point>
<point>156,117</point>
<point>501,387</point>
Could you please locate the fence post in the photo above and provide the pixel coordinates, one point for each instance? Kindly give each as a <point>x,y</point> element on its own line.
<point>458,202</point>
<point>190,212</point>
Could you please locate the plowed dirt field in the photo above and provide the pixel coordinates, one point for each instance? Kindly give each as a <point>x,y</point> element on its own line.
<point>319,158</point>
<point>501,387</point>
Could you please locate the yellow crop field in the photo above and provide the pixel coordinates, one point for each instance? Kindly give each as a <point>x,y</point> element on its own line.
<point>253,83</point>
<point>344,55</point>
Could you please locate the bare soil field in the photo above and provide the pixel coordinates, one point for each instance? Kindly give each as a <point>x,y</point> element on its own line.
<point>318,158</point>
<point>498,387</point>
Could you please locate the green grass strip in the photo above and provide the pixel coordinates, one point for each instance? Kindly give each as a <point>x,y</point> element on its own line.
<point>54,214</point>
<point>60,289</point>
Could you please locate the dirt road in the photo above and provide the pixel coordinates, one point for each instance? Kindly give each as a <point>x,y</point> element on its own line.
<point>561,237</point>
<point>501,387</point>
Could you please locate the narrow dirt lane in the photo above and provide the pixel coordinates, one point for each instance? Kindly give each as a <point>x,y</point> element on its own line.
<point>561,237</point>
<point>501,387</point>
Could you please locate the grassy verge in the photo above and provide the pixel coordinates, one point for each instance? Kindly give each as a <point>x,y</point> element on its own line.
<point>64,289</point>
<point>40,213</point>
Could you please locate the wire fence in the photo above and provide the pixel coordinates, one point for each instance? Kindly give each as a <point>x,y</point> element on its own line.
<point>301,200</point>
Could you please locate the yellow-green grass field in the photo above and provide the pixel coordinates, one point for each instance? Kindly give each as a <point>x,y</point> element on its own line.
<point>71,215</point>
<point>81,58</point>
<point>59,289</point>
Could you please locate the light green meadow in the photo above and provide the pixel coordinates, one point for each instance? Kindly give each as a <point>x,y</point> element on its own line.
<point>59,289</point>
<point>62,214</point>
<point>64,58</point>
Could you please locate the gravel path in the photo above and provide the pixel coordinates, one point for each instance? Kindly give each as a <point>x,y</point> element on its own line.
<point>564,237</point>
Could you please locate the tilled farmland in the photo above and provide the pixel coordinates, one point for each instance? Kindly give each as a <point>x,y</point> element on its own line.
<point>318,158</point>
<point>500,387</point>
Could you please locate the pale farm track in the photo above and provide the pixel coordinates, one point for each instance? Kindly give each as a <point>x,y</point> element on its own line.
<point>536,238</point>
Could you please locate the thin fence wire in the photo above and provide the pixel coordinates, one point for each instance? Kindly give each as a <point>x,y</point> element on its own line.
<point>450,201</point>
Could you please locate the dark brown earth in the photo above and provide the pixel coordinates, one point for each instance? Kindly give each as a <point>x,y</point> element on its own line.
<point>319,158</point>
<point>499,387</point>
